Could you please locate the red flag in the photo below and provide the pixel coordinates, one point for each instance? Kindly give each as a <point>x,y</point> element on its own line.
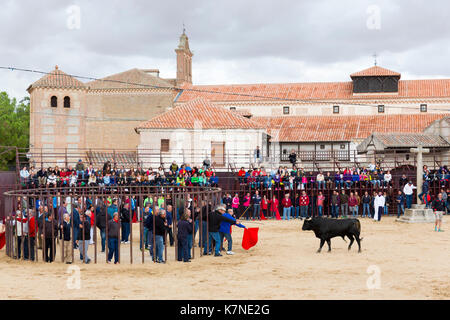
<point>250,238</point>
<point>2,240</point>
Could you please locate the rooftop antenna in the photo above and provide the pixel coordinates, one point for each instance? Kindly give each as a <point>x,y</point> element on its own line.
<point>184,28</point>
<point>374,58</point>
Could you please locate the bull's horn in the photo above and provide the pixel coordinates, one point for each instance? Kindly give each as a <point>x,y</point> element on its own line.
<point>308,219</point>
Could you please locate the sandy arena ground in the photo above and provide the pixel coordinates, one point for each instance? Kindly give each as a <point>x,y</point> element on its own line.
<point>413,261</point>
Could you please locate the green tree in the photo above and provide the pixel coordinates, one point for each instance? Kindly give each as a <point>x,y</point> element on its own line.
<point>14,128</point>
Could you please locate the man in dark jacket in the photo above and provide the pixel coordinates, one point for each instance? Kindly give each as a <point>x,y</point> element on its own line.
<point>50,233</point>
<point>214,220</point>
<point>101,221</point>
<point>83,238</point>
<point>125,220</point>
<point>160,231</point>
<point>293,158</point>
<point>113,238</point>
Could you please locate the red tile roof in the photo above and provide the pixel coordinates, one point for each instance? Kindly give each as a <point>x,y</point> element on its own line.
<point>342,128</point>
<point>312,91</point>
<point>375,71</point>
<point>58,79</point>
<point>203,112</point>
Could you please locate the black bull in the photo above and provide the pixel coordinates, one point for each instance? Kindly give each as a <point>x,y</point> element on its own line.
<point>325,229</point>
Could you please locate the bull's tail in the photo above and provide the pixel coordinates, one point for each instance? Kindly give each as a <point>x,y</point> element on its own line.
<point>358,225</point>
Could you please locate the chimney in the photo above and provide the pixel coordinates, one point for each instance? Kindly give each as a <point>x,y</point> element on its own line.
<point>152,72</point>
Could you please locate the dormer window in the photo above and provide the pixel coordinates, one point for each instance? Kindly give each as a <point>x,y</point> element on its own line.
<point>54,102</point>
<point>380,108</point>
<point>423,108</point>
<point>375,79</point>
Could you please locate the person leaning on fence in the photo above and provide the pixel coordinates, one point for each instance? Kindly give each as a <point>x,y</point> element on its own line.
<point>66,227</point>
<point>215,218</point>
<point>113,238</point>
<point>184,232</point>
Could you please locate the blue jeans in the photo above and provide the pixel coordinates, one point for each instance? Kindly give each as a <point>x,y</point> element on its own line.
<point>409,200</point>
<point>189,244</point>
<point>159,243</point>
<point>113,249</point>
<point>125,231</point>
<point>303,211</point>
<point>256,209</point>
<point>103,237</point>
<point>354,211</point>
<point>348,184</point>
<point>216,237</point>
<point>400,209</point>
<point>335,211</point>
<point>75,234</point>
<point>229,240</point>
<point>297,210</point>
<point>320,209</point>
<point>386,211</point>
<point>183,250</point>
<point>80,172</point>
<point>366,207</point>
<point>287,213</point>
<point>321,183</point>
<point>84,246</point>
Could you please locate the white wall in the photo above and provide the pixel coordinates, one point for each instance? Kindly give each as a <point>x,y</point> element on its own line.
<point>193,146</point>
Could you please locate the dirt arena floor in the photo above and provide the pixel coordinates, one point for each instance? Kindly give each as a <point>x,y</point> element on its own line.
<point>412,260</point>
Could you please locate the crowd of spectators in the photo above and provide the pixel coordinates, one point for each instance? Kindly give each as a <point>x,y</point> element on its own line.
<point>372,176</point>
<point>111,175</point>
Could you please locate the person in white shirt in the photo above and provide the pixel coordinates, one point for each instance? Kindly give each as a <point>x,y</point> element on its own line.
<point>24,175</point>
<point>379,203</point>
<point>73,180</point>
<point>387,179</point>
<point>408,191</point>
<point>320,180</point>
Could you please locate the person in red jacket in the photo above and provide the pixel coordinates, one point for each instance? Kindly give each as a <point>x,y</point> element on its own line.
<point>241,175</point>
<point>264,207</point>
<point>274,208</point>
<point>31,234</point>
<point>287,207</point>
<point>303,202</point>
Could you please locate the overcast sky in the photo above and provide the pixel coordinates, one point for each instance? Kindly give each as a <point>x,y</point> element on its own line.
<point>233,41</point>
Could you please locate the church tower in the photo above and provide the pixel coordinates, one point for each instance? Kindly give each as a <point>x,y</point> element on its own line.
<point>184,61</point>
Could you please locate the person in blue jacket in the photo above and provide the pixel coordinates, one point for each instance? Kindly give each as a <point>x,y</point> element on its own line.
<point>225,230</point>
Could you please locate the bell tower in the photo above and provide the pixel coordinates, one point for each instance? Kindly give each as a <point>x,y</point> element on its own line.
<point>184,60</point>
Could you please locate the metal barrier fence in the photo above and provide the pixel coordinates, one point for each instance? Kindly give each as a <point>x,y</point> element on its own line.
<point>44,220</point>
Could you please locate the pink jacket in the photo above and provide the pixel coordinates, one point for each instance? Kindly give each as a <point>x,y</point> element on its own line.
<point>235,203</point>
<point>246,201</point>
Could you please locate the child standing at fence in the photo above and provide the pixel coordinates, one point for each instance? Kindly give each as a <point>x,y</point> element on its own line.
<point>247,205</point>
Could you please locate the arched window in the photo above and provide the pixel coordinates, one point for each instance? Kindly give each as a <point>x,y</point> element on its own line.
<point>53,101</point>
<point>66,102</point>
